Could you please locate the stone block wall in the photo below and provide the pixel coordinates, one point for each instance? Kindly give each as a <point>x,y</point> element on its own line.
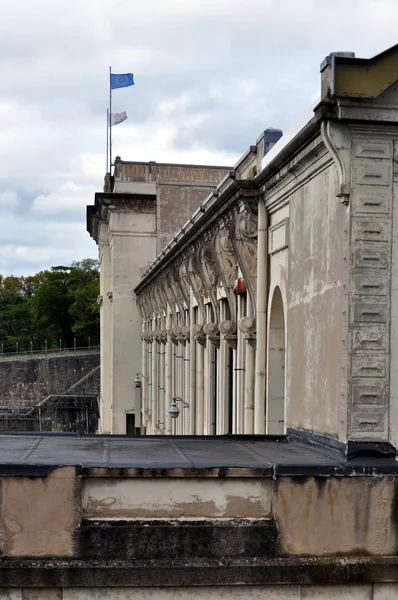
<point>26,381</point>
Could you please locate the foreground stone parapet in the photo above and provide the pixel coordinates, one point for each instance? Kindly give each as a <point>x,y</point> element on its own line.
<point>40,515</point>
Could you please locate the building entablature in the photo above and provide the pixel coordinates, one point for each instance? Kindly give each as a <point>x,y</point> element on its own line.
<point>106,202</point>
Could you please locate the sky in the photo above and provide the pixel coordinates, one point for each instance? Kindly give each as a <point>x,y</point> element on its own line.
<point>210,76</point>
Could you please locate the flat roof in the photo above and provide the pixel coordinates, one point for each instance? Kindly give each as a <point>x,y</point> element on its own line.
<point>38,453</point>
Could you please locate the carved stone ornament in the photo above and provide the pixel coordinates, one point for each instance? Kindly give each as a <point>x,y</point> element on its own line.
<point>186,332</point>
<point>213,333</point>
<point>226,264</point>
<point>169,296</point>
<point>228,331</point>
<point>198,334</point>
<point>173,294</point>
<point>161,337</point>
<point>244,235</point>
<point>210,276</point>
<point>172,336</point>
<point>179,335</point>
<point>196,278</point>
<point>247,326</point>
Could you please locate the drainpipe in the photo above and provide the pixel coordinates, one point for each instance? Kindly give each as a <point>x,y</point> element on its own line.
<point>261,318</point>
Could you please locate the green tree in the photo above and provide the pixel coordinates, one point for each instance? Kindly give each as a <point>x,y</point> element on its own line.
<point>59,303</point>
<point>84,310</point>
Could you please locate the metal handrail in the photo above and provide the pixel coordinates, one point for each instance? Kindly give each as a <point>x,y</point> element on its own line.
<point>73,350</point>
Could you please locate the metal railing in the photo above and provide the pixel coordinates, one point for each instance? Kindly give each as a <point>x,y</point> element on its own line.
<point>46,351</point>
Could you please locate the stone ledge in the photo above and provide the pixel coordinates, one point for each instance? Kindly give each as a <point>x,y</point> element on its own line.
<point>108,573</point>
<point>176,539</point>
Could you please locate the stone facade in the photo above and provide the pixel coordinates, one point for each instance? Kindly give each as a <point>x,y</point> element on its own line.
<point>141,208</point>
<point>272,309</point>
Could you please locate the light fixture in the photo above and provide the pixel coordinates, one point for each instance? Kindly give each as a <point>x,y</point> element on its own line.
<point>174,411</point>
<point>137,380</point>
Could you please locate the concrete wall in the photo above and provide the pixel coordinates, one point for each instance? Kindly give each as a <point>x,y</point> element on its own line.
<point>26,381</point>
<point>315,292</point>
<point>383,591</point>
<point>123,528</point>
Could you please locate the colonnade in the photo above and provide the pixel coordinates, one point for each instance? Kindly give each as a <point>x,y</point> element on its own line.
<point>201,348</point>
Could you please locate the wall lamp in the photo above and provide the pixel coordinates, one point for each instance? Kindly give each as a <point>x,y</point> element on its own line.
<point>174,411</point>
<point>137,380</point>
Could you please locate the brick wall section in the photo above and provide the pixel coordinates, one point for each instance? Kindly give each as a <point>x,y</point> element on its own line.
<point>25,381</point>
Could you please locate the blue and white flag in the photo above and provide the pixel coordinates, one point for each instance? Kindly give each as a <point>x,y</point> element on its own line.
<point>121,80</point>
<point>117,118</point>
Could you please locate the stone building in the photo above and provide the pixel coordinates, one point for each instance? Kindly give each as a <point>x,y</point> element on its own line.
<point>142,206</point>
<point>274,308</point>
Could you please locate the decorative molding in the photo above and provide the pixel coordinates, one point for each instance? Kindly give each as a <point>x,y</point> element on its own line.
<point>244,234</point>
<point>278,236</point>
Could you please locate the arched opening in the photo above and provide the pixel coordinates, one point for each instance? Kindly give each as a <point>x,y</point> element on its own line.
<point>275,409</point>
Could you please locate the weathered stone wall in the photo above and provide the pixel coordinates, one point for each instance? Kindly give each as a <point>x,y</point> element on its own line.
<point>177,203</point>
<point>384,591</point>
<point>94,527</point>
<point>26,381</point>
<point>70,414</point>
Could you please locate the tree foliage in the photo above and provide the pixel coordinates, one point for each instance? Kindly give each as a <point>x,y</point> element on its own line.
<point>52,306</point>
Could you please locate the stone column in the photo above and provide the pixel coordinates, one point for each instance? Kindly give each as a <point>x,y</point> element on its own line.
<point>154,399</point>
<point>227,341</point>
<point>210,407</point>
<point>247,326</point>
<point>169,374</point>
<point>187,376</point>
<point>261,319</point>
<point>162,381</point>
<point>105,330</point>
<point>239,370</point>
<point>149,395</point>
<point>200,343</point>
<point>192,373</point>
<point>144,385</point>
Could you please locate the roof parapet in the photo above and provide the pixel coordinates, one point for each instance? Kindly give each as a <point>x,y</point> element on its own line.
<point>345,76</point>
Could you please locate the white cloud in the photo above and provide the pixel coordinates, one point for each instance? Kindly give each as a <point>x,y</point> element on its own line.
<point>68,199</point>
<point>210,76</point>
<point>8,200</point>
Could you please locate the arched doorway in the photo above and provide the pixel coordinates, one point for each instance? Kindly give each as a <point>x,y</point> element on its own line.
<point>275,409</point>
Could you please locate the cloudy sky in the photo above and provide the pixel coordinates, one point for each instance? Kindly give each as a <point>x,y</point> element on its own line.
<point>210,76</point>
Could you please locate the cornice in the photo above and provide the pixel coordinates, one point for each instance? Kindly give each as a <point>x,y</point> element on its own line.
<point>240,192</point>
<point>105,201</point>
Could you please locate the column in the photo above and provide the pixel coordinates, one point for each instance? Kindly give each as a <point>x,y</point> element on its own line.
<point>192,371</point>
<point>155,350</point>
<point>261,319</point>
<point>162,381</point>
<point>169,373</point>
<point>105,332</point>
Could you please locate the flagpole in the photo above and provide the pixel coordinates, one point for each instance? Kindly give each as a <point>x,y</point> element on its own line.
<point>107,139</point>
<point>110,124</point>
